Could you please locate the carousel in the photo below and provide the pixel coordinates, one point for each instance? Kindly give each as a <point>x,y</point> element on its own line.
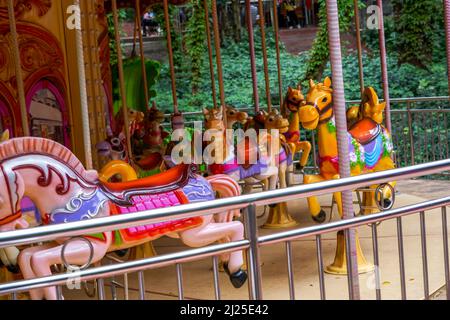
<point>67,157</point>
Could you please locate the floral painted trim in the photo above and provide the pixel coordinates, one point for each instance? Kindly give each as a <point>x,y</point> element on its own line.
<point>357,157</point>
<point>387,143</point>
<point>331,126</point>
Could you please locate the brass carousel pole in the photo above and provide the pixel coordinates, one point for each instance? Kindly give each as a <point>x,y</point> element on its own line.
<point>210,53</point>
<point>251,44</point>
<point>277,48</point>
<point>141,50</point>
<point>384,70</point>
<point>219,60</point>
<point>359,47</point>
<point>121,76</point>
<point>170,53</point>
<point>279,216</point>
<point>18,69</point>
<point>264,52</point>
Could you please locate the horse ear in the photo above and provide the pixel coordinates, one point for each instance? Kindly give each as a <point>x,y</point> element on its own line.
<point>220,114</point>
<point>289,89</point>
<point>205,112</point>
<point>311,83</point>
<point>5,136</point>
<point>381,107</point>
<point>299,87</point>
<point>327,82</point>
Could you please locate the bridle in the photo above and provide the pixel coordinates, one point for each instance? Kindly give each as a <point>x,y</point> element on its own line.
<point>321,112</point>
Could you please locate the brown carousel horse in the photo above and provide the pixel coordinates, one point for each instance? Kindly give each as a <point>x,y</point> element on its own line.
<point>293,101</point>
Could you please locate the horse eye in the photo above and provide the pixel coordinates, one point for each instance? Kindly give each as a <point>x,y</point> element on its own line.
<point>325,99</point>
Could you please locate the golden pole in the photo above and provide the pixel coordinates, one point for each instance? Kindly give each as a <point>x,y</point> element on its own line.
<point>264,50</point>
<point>141,47</point>
<point>18,67</point>
<point>219,60</point>
<point>210,54</point>
<point>170,53</point>
<point>121,77</point>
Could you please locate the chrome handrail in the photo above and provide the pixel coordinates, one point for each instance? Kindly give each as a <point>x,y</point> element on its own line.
<point>46,233</point>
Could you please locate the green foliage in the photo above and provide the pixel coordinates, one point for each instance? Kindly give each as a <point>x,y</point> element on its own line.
<point>236,74</point>
<point>134,84</point>
<point>415,24</point>
<point>176,38</point>
<point>195,41</point>
<point>320,51</point>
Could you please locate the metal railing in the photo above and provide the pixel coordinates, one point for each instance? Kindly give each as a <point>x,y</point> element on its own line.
<point>252,243</point>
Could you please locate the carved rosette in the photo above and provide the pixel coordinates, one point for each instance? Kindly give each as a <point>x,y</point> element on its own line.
<point>23,6</point>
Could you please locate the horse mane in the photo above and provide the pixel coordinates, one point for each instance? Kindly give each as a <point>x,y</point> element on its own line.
<point>24,145</point>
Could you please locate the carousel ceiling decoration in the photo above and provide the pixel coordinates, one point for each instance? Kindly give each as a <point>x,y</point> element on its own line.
<point>23,6</point>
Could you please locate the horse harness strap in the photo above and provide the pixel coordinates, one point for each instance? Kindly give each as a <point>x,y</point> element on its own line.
<point>320,112</point>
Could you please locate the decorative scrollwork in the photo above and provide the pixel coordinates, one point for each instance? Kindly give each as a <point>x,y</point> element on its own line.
<point>38,49</point>
<point>23,6</point>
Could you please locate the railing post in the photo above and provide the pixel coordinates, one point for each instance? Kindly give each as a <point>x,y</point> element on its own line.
<point>253,260</point>
<point>411,136</point>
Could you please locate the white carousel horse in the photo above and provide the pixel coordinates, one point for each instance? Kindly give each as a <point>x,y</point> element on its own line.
<point>63,191</point>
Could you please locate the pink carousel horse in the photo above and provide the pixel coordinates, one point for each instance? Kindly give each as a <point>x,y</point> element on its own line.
<point>63,191</point>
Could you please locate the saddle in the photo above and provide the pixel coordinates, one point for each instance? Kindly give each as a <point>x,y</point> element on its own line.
<point>365,131</point>
<point>171,180</point>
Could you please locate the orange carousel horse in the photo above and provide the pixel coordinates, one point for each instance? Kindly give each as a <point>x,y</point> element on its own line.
<point>370,143</point>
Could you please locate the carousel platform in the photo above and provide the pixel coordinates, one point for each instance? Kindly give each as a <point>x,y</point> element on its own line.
<point>198,276</point>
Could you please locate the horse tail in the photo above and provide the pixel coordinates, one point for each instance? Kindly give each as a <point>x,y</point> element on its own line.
<point>226,187</point>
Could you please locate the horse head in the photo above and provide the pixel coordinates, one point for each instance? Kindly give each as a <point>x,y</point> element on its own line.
<point>294,99</point>
<point>177,121</point>
<point>275,121</point>
<point>214,119</point>
<point>235,116</point>
<point>113,147</point>
<point>318,108</point>
<point>371,106</point>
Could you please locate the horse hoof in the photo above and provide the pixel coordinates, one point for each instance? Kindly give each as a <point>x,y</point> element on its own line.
<point>320,218</point>
<point>238,278</point>
<point>13,269</point>
<point>121,253</point>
